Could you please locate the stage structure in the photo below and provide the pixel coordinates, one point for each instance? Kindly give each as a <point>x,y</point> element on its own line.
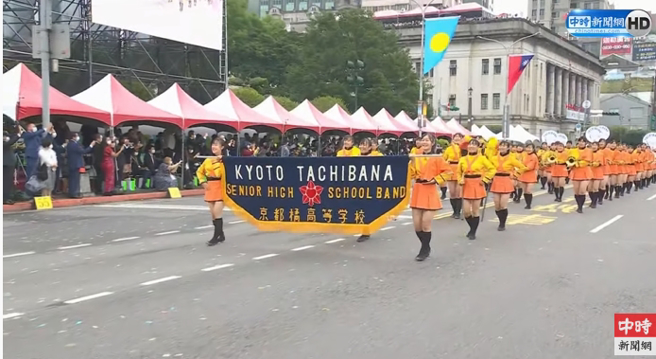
<point>142,54</point>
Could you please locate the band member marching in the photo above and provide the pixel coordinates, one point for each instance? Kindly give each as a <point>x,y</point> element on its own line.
<point>559,170</point>
<point>502,185</point>
<point>622,170</point>
<point>630,168</point>
<point>543,155</point>
<point>474,172</point>
<point>640,168</point>
<point>596,192</point>
<point>605,186</point>
<point>367,148</point>
<point>581,173</point>
<point>452,156</point>
<point>428,173</point>
<point>519,156</point>
<point>529,177</point>
<point>348,150</point>
<point>209,175</point>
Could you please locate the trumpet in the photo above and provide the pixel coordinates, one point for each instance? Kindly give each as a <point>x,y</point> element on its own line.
<point>571,162</point>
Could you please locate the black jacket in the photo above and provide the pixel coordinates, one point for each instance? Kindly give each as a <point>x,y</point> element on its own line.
<point>8,156</point>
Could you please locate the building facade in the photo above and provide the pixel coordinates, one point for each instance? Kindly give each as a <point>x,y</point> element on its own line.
<point>634,112</point>
<point>473,73</point>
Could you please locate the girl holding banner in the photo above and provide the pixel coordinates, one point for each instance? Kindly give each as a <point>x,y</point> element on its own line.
<point>209,175</point>
<point>428,173</point>
<point>367,148</point>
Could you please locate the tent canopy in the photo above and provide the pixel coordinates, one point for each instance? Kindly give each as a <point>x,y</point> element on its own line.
<point>109,95</point>
<point>363,122</point>
<point>271,108</point>
<point>486,133</point>
<point>439,125</point>
<point>388,124</point>
<point>457,128</point>
<point>229,105</point>
<point>21,97</point>
<point>521,135</point>
<point>176,101</point>
<point>337,114</point>
<point>306,110</point>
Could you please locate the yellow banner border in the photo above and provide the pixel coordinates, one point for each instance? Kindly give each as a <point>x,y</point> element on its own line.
<point>319,227</point>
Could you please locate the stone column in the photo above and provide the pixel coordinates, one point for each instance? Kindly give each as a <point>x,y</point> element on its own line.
<point>579,92</point>
<point>551,76</point>
<point>584,88</point>
<point>572,89</point>
<point>565,97</point>
<point>558,93</point>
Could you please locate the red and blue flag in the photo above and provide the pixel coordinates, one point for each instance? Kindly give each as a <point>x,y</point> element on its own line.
<point>516,66</point>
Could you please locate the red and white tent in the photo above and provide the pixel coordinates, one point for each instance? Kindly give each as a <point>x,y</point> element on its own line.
<point>176,101</point>
<point>385,120</point>
<point>439,124</point>
<point>362,121</point>
<point>21,98</point>
<point>229,105</point>
<point>337,114</point>
<point>307,110</point>
<point>109,95</point>
<point>456,127</point>
<point>271,108</point>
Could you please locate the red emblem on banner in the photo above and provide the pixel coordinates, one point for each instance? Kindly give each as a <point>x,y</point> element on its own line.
<point>311,194</point>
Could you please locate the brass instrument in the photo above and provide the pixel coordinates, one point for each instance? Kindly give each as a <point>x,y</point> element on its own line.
<point>571,162</point>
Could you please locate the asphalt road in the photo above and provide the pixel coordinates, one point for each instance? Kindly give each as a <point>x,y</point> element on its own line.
<point>135,280</point>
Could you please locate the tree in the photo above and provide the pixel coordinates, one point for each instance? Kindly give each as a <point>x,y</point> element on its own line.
<point>249,96</point>
<point>333,39</point>
<point>324,103</point>
<point>286,102</point>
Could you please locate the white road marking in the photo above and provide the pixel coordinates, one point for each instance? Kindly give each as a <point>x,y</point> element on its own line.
<point>75,246</point>
<point>88,297</point>
<point>205,227</point>
<point>270,255</point>
<point>220,266</point>
<point>124,239</point>
<point>607,223</point>
<point>157,206</point>
<point>406,224</point>
<point>165,233</point>
<point>652,197</point>
<point>386,228</point>
<point>356,235</point>
<point>302,248</point>
<point>17,254</point>
<point>165,279</point>
<point>11,315</point>
<point>336,240</point>
<point>236,222</point>
<point>404,217</point>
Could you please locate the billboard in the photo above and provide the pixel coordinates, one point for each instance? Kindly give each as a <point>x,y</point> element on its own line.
<point>644,51</point>
<point>616,45</point>
<point>195,22</point>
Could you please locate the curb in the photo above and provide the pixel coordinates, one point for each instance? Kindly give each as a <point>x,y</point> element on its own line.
<point>72,202</point>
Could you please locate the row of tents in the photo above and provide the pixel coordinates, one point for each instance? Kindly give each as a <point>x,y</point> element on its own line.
<point>517,133</point>
<point>110,103</point>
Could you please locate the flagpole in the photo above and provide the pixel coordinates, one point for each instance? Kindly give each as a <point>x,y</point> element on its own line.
<point>506,102</point>
<point>420,106</point>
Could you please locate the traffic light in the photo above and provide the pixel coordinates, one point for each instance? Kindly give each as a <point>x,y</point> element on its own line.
<point>450,107</point>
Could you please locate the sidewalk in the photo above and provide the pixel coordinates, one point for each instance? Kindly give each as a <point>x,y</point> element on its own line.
<point>71,202</point>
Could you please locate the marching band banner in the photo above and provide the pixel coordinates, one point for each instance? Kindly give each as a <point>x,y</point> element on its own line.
<point>351,195</point>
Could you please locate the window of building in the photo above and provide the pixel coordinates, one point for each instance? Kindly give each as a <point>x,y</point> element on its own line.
<point>452,100</point>
<point>497,66</point>
<point>453,67</point>
<point>330,5</point>
<point>302,5</point>
<point>431,73</point>
<point>595,5</point>
<point>541,13</point>
<point>573,5</point>
<point>276,3</point>
<point>264,10</point>
<point>534,13</point>
<point>496,101</point>
<point>290,6</point>
<point>554,14</point>
<point>485,67</point>
<point>483,101</point>
<point>587,5</point>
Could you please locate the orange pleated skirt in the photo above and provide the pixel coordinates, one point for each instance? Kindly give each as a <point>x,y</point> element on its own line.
<point>548,168</point>
<point>630,170</point>
<point>214,191</point>
<point>613,170</point>
<point>502,184</point>
<point>640,167</point>
<point>598,173</point>
<point>454,170</point>
<point>528,177</point>
<point>473,189</point>
<point>426,197</point>
<point>559,171</point>
<point>581,174</point>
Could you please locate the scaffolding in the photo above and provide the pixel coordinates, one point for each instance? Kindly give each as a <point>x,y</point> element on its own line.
<point>144,64</point>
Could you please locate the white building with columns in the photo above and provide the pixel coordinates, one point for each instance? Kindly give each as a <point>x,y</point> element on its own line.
<point>473,73</point>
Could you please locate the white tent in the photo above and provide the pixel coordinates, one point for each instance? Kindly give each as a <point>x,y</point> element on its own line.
<point>523,136</point>
<point>457,127</point>
<point>485,132</point>
<point>475,130</point>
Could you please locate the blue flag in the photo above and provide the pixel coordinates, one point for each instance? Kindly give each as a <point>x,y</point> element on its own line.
<point>437,37</point>
<point>351,195</point>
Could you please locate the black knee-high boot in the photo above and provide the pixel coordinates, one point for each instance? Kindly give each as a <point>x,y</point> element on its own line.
<point>550,187</point>
<point>457,208</point>
<point>619,191</point>
<point>600,197</point>
<point>218,236</point>
<point>610,191</point>
<point>518,195</point>
<point>502,214</point>
<point>562,191</point>
<point>528,197</point>
<point>557,193</point>
<point>443,189</point>
<point>594,197</point>
<point>580,201</point>
<point>424,252</point>
<point>543,181</point>
<point>628,186</point>
<point>637,185</point>
<point>474,226</point>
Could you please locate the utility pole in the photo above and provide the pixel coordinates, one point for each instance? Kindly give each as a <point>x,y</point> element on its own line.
<point>353,71</point>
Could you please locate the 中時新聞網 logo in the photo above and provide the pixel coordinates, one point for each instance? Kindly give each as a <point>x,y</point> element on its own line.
<point>608,23</point>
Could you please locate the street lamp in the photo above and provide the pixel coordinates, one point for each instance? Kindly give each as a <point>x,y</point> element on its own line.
<point>353,71</point>
<point>420,114</point>
<point>506,101</point>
